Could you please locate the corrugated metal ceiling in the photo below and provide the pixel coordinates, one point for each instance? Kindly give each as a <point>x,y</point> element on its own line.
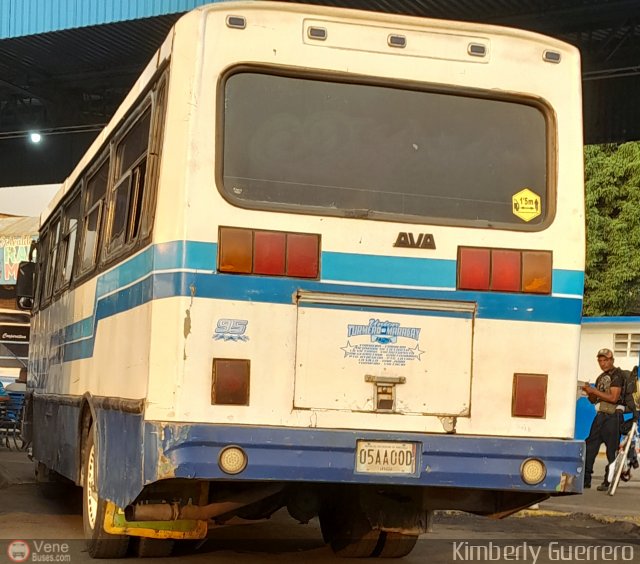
<point>78,76</point>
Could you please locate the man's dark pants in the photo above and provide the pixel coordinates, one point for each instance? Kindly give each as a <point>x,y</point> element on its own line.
<point>604,429</point>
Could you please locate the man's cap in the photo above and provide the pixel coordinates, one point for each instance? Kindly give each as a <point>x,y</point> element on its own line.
<point>605,352</point>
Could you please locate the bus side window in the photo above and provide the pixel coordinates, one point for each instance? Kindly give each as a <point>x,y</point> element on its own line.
<point>43,255</point>
<point>147,212</point>
<point>68,242</point>
<point>49,274</point>
<point>94,195</point>
<point>128,192</point>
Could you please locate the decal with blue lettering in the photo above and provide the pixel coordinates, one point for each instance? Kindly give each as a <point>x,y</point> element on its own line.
<point>231,330</point>
<point>381,346</point>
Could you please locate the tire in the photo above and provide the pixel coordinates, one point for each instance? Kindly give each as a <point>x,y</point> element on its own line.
<point>348,532</point>
<point>620,462</point>
<point>152,548</point>
<point>356,547</point>
<point>100,544</point>
<point>395,545</point>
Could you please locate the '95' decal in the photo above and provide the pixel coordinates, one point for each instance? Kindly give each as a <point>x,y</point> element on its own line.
<point>231,330</point>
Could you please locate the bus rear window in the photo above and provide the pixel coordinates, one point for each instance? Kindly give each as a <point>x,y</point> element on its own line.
<point>362,150</point>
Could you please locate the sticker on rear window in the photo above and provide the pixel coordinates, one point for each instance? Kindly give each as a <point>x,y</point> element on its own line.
<point>526,205</point>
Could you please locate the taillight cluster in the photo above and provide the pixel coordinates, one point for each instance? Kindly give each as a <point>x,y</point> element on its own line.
<point>504,270</point>
<point>270,253</point>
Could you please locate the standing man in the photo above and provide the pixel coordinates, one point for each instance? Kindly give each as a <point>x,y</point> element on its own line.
<point>606,425</point>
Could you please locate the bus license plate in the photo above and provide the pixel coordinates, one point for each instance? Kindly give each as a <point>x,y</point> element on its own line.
<point>377,457</point>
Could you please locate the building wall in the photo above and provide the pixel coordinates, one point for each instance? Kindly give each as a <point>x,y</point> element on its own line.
<point>598,333</point>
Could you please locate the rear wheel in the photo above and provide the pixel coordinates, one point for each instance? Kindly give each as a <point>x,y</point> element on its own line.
<point>100,544</point>
<point>152,548</point>
<point>348,532</point>
<point>395,545</point>
<point>361,546</point>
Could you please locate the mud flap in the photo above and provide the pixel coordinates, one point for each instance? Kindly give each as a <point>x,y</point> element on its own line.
<point>116,524</point>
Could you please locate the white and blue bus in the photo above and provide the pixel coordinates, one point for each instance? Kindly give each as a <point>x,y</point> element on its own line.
<point>321,259</point>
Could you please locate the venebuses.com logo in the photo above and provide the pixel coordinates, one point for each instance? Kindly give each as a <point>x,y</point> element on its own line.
<point>38,551</point>
<point>18,551</point>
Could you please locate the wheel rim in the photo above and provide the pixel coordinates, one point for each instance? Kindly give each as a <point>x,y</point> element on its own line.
<point>91,496</point>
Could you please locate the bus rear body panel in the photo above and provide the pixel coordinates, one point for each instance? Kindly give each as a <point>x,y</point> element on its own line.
<point>366,269</point>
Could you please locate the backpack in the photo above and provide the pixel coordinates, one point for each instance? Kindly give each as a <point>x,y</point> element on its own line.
<point>630,394</point>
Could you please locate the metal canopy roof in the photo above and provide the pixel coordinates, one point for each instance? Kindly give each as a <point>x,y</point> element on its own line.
<point>64,79</point>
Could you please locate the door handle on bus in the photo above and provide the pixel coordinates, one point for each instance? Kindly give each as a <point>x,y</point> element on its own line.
<point>385,379</point>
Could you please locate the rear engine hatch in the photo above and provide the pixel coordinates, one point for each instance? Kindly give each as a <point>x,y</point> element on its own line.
<point>383,355</point>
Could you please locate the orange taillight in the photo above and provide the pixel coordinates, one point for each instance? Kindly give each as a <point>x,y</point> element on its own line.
<point>536,272</point>
<point>235,250</point>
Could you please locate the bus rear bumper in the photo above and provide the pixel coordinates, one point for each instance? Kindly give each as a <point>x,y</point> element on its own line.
<point>180,450</point>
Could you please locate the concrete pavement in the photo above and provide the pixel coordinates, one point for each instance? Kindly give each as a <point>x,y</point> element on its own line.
<point>15,468</point>
<point>623,506</point>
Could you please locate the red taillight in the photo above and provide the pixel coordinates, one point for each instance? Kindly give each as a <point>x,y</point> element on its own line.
<point>505,270</point>
<point>529,395</point>
<point>230,382</point>
<point>474,268</point>
<point>270,253</point>
<point>302,255</point>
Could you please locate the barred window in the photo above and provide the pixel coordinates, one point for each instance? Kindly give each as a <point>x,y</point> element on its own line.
<point>626,344</point>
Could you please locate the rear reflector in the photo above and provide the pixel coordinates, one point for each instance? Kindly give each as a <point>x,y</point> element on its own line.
<point>529,395</point>
<point>505,270</point>
<point>230,382</point>
<point>269,253</point>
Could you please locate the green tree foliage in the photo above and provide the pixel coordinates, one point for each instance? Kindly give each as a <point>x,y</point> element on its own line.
<point>612,278</point>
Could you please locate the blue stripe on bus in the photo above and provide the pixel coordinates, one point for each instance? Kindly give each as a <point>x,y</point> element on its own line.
<point>400,271</point>
<point>513,307</point>
<point>193,255</point>
<point>347,267</point>
<point>568,282</point>
<point>78,330</point>
<point>140,279</point>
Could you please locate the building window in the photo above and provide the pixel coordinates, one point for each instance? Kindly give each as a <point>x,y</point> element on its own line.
<point>626,344</point>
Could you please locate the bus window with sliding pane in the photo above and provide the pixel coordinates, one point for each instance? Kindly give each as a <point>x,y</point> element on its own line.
<point>52,259</point>
<point>128,192</point>
<point>68,244</point>
<point>94,195</point>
